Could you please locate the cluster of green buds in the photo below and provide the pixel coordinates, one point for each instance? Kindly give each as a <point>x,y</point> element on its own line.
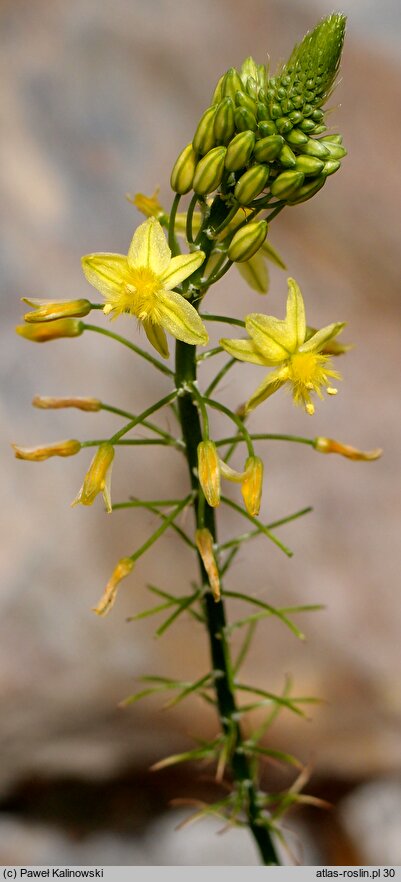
<point>265,134</point>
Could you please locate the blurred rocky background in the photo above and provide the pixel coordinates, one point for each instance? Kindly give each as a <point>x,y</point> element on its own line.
<point>97,99</point>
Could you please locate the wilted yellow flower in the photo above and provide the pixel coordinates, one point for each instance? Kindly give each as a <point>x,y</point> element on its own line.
<point>142,283</point>
<point>252,485</point>
<point>44,402</point>
<point>329,445</point>
<point>107,600</point>
<point>38,454</point>
<point>299,362</point>
<point>49,310</point>
<point>148,205</point>
<point>44,331</point>
<point>209,472</point>
<point>204,544</point>
<point>97,478</point>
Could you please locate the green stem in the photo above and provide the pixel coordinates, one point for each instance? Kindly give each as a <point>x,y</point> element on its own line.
<point>142,416</point>
<point>146,423</point>
<point>157,364</point>
<point>227,320</point>
<point>215,613</point>
<point>297,439</point>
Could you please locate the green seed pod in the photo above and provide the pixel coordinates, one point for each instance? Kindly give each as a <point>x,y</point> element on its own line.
<point>204,139</point>
<point>287,183</point>
<point>267,127</point>
<point>232,83</point>
<point>268,148</point>
<point>296,138</point>
<point>247,241</point>
<point>217,96</point>
<point>337,151</point>
<point>314,148</point>
<point>251,184</point>
<point>287,157</point>
<point>239,151</point>
<point>224,124</point>
<point>309,165</point>
<point>244,120</point>
<point>183,172</point>
<point>283,125</point>
<point>331,166</point>
<point>307,190</point>
<point>307,125</point>
<point>275,111</point>
<point>262,112</point>
<point>209,171</point>
<point>333,139</point>
<point>243,100</point>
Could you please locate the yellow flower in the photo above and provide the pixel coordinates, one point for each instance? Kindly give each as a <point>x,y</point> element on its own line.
<point>107,600</point>
<point>284,345</point>
<point>97,478</point>
<point>142,283</point>
<point>148,205</point>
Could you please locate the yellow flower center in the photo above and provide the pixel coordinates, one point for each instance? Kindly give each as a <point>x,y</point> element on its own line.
<point>309,372</point>
<point>139,294</point>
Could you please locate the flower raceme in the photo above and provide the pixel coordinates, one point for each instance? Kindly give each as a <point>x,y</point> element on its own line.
<point>284,344</point>
<point>142,282</point>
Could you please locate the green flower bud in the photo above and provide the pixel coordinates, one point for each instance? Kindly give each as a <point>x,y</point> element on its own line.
<point>247,241</point>
<point>307,125</point>
<point>224,124</point>
<point>283,125</point>
<point>244,120</point>
<point>183,171</point>
<point>251,184</point>
<point>309,165</point>
<point>287,157</point>
<point>254,73</point>
<point>287,183</point>
<point>232,83</point>
<point>204,138</point>
<point>295,138</point>
<point>331,166</point>
<point>307,190</point>
<point>217,94</point>
<point>262,112</point>
<point>252,88</point>
<point>296,117</point>
<point>318,130</point>
<point>243,100</point>
<point>275,111</point>
<point>314,148</point>
<point>336,150</point>
<point>267,127</point>
<point>268,148</point>
<point>209,171</point>
<point>239,151</point>
<point>333,139</point>
<point>315,62</point>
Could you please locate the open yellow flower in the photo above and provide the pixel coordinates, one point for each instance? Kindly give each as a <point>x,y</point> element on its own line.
<point>141,283</point>
<point>284,345</point>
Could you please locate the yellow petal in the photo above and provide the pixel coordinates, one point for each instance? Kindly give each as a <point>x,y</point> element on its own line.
<point>270,384</point>
<point>244,350</point>
<point>295,316</point>
<point>270,336</point>
<point>180,268</point>
<point>156,337</point>
<point>106,272</point>
<point>204,544</point>
<point>322,337</point>
<point>181,319</point>
<point>256,273</point>
<point>149,247</point>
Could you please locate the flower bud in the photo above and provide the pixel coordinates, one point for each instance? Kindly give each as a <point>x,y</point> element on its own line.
<point>46,403</point>
<point>209,171</point>
<point>307,190</point>
<point>217,94</point>
<point>251,183</point>
<point>204,137</point>
<point>209,472</point>
<point>256,273</point>
<point>314,148</point>
<point>183,171</point>
<point>307,126</point>
<point>252,485</point>
<point>332,139</point>
<point>232,83</point>
<point>262,112</point>
<point>244,120</point>
<point>329,445</point>
<point>224,125</point>
<point>309,165</point>
<point>267,127</point>
<point>283,125</point>
<point>287,183</point>
<point>268,148</point>
<point>286,157</point>
<point>204,544</point>
<point>43,331</point>
<point>97,478</point>
<point>51,310</point>
<point>243,100</point>
<point>337,151</point>
<point>331,166</point>
<point>38,454</point>
<point>296,138</point>
<point>123,569</point>
<point>247,241</point>
<point>239,151</point>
